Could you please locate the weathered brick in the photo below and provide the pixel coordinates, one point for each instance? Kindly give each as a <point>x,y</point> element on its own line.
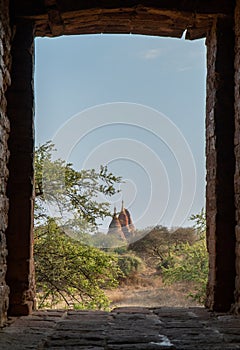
<point>20,98</point>
<point>220,165</point>
<point>237,151</point>
<point>4,129</point>
<point>220,141</point>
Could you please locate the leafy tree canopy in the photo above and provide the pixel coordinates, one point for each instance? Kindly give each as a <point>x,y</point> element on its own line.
<point>65,191</point>
<point>71,272</point>
<point>67,270</point>
<point>157,246</point>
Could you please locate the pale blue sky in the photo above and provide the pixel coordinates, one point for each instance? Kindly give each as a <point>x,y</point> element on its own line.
<point>148,75</point>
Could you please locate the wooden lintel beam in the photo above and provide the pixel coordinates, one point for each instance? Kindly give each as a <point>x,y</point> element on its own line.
<point>148,22</point>
<point>66,17</point>
<point>55,20</point>
<point>29,8</point>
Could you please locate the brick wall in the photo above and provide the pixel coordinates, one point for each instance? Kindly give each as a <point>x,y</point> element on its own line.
<point>237,152</point>
<point>220,166</point>
<point>20,188</point>
<point>4,130</point>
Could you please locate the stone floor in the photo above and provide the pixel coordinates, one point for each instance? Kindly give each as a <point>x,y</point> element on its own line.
<point>123,328</point>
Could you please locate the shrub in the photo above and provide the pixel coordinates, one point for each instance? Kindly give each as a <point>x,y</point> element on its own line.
<point>129,265</point>
<point>190,262</point>
<point>71,272</point>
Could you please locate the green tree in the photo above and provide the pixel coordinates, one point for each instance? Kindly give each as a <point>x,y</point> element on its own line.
<point>190,262</point>
<point>66,269</point>
<point>68,192</point>
<point>157,247</point>
<point>106,242</point>
<point>71,272</point>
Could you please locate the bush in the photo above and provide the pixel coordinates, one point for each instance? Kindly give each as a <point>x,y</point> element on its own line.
<point>192,266</point>
<point>71,272</point>
<point>190,262</point>
<point>129,265</point>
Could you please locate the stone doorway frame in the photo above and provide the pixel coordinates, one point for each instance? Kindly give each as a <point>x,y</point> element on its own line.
<point>216,23</point>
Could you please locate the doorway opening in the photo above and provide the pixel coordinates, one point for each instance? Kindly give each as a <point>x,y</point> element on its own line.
<point>135,104</point>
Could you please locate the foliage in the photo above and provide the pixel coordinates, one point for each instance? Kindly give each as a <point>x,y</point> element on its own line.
<point>67,270</point>
<point>106,242</point>
<point>200,222</point>
<point>129,264</point>
<point>190,262</point>
<point>67,191</point>
<point>191,266</point>
<point>158,246</point>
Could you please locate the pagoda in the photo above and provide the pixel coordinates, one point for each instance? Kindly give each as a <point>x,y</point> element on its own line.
<point>115,227</point>
<point>122,225</point>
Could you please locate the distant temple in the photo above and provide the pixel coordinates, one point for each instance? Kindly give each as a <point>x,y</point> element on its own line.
<point>121,225</point>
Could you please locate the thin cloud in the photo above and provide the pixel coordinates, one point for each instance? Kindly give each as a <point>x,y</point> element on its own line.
<point>151,54</point>
<point>184,69</point>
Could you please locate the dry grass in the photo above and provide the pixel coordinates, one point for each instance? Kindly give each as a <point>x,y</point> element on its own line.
<point>148,290</point>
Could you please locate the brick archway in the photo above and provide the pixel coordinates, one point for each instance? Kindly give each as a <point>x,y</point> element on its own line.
<point>211,19</point>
